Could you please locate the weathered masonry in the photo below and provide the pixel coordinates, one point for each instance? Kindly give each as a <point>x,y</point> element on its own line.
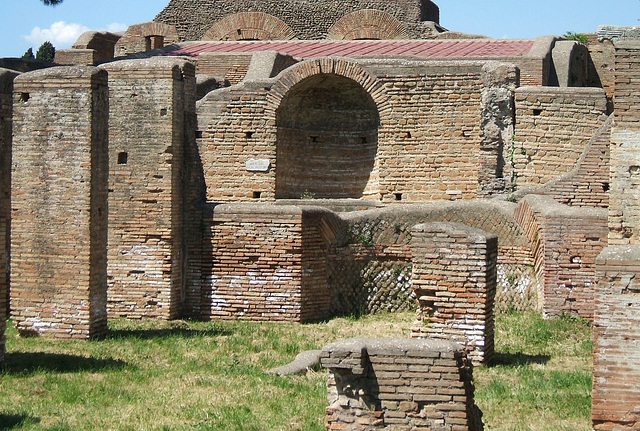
<point>390,384</point>
<point>616,380</point>
<point>59,202</point>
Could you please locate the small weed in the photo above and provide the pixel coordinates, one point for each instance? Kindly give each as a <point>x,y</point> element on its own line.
<point>578,37</point>
<point>307,195</point>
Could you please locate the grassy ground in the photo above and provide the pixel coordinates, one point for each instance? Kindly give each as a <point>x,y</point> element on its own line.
<point>210,376</point>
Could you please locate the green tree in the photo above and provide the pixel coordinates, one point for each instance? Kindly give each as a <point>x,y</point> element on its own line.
<point>51,2</point>
<point>28,54</point>
<point>46,52</point>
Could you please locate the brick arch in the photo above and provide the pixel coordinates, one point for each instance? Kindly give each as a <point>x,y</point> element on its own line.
<point>249,26</point>
<point>137,38</point>
<point>330,66</point>
<point>367,24</point>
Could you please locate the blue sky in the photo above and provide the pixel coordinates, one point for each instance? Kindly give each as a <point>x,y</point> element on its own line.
<point>28,23</point>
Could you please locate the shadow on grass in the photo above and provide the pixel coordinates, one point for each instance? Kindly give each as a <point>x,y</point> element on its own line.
<point>150,334</point>
<point>9,422</point>
<point>31,362</point>
<point>517,359</point>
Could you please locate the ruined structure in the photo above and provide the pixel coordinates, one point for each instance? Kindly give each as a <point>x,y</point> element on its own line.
<point>263,165</point>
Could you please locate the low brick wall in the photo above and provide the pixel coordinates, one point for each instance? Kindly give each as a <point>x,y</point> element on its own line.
<point>396,384</point>
<point>59,202</point>
<point>265,262</point>
<point>454,276</point>
<point>565,243</point>
<point>616,377</point>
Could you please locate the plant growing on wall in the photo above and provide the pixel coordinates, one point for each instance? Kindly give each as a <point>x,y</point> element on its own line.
<point>578,37</point>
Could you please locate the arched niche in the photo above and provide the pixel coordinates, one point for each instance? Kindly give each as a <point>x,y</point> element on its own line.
<point>327,139</point>
<point>249,26</point>
<point>367,24</point>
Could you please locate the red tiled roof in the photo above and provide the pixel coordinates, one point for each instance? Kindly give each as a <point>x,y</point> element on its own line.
<point>477,48</point>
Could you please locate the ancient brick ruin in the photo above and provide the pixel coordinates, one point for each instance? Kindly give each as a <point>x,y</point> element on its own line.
<point>398,384</point>
<point>285,161</point>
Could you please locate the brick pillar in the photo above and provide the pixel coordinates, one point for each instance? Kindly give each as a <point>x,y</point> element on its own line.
<point>6,91</point>
<point>148,103</point>
<point>616,376</point>
<point>59,200</point>
<point>396,384</point>
<point>454,276</point>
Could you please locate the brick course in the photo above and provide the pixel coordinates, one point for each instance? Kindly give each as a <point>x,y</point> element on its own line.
<point>59,202</point>
<point>395,384</point>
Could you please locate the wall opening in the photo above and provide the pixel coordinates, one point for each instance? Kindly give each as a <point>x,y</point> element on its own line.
<point>154,42</point>
<point>327,139</point>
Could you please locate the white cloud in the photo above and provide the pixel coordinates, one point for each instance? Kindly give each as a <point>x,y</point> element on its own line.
<point>116,27</point>
<point>61,34</point>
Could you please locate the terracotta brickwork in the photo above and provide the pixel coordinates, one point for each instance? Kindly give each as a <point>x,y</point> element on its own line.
<point>193,19</point>
<point>6,109</point>
<point>397,384</point>
<point>454,276</point>
<point>367,24</point>
<point>144,37</point>
<point>624,209</point>
<point>565,242</point>
<point>265,262</point>
<point>553,128</point>
<point>421,153</point>
<point>588,184</point>
<point>616,380</point>
<point>249,26</point>
<point>146,249</point>
<point>59,202</point>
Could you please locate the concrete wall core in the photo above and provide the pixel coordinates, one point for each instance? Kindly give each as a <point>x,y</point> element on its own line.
<point>59,202</point>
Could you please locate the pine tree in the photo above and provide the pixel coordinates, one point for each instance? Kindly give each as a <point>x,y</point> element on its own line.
<point>28,54</point>
<point>51,2</point>
<point>46,52</point>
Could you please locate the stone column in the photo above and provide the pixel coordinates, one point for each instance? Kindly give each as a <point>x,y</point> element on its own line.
<point>59,202</point>
<point>454,276</point>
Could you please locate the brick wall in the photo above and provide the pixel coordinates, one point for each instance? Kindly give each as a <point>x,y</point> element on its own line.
<point>615,376</point>
<point>265,262</point>
<point>454,276</point>
<point>553,127</point>
<point>601,68</point>
<point>421,153</point>
<point>148,102</point>
<point>394,384</point>
<point>588,184</point>
<point>59,202</point>
<point>230,67</point>
<point>193,19</point>
<point>144,37</point>
<point>6,109</point>
<point>616,381</point>
<point>624,208</point>
<point>565,243</point>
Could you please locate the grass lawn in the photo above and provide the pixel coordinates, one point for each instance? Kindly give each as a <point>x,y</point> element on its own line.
<point>210,376</point>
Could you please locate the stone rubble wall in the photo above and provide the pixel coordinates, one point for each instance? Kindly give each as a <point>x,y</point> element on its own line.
<point>397,384</point>
<point>553,127</point>
<point>148,101</point>
<point>193,18</point>
<point>565,243</point>
<point>59,202</point>
<point>454,276</point>
<point>6,110</point>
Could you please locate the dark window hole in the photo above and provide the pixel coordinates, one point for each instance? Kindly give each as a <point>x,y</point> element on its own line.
<point>537,112</point>
<point>257,195</point>
<point>163,111</point>
<point>24,97</point>
<point>398,196</point>
<point>248,135</point>
<point>198,134</point>
<point>123,158</point>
